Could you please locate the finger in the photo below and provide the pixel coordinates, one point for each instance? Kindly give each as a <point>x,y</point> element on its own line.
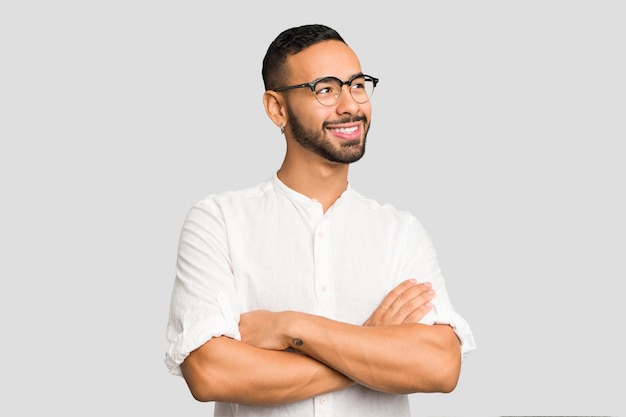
<point>419,313</point>
<point>393,295</point>
<point>411,298</point>
<point>417,306</point>
<point>399,303</point>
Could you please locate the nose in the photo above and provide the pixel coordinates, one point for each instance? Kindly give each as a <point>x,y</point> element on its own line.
<point>346,103</point>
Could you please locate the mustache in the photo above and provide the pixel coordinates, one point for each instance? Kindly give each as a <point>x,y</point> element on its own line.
<point>351,119</point>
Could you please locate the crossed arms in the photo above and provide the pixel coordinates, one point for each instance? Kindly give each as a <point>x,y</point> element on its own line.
<point>288,356</point>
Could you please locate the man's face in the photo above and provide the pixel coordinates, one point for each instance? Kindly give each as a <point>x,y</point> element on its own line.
<point>336,133</point>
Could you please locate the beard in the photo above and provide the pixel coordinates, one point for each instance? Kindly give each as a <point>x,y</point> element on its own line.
<point>318,143</point>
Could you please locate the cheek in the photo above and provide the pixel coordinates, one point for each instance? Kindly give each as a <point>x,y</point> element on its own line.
<point>311,116</point>
<point>366,110</point>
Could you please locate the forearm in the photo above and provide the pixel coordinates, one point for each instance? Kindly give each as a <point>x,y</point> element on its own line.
<point>227,370</point>
<point>402,358</point>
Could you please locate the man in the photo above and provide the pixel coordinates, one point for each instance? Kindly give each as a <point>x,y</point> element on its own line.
<point>300,296</point>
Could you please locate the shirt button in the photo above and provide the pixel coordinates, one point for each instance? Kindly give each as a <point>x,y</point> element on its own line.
<point>321,233</point>
<point>323,288</point>
<point>323,401</point>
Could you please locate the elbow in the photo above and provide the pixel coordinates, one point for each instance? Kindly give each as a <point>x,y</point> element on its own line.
<point>438,374</point>
<point>447,381</point>
<point>446,364</point>
<point>445,375</point>
<point>200,393</point>
<point>205,373</point>
<point>200,396</point>
<point>441,378</point>
<point>199,387</point>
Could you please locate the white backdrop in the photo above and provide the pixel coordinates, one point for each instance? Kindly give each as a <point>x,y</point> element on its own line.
<point>503,122</point>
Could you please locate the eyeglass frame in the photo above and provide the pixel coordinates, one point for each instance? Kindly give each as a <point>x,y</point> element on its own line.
<point>313,83</point>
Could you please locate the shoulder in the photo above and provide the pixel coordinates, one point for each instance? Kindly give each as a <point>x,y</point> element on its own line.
<point>235,197</point>
<point>376,209</point>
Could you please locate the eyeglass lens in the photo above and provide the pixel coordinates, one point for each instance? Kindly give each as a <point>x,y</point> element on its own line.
<point>328,90</point>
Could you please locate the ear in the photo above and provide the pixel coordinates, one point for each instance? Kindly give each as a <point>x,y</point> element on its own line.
<point>275,108</point>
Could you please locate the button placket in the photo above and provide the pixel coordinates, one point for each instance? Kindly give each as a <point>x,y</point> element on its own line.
<point>322,252</point>
<point>323,406</point>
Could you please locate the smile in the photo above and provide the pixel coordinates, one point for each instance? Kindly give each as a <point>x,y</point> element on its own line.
<point>345,129</point>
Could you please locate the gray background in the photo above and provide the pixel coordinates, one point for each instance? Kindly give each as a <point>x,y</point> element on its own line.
<point>499,124</point>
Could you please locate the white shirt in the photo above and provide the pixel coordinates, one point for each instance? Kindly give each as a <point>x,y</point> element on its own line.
<point>269,247</point>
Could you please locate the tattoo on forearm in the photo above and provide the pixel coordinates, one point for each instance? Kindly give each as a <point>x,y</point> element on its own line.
<point>298,342</point>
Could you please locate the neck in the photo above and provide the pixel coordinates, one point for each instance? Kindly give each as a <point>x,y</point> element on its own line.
<point>323,182</point>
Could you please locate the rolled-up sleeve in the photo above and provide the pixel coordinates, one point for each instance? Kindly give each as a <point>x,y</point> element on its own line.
<point>422,263</point>
<point>203,303</point>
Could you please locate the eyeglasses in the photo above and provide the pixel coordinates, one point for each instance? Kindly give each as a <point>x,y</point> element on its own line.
<point>327,90</point>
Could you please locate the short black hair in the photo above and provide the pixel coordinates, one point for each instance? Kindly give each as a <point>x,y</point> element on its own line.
<point>289,42</point>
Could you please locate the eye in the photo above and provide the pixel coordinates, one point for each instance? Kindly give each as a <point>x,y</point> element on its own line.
<point>326,86</point>
<point>358,83</point>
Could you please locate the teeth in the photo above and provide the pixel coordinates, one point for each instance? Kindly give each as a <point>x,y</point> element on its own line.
<point>346,130</point>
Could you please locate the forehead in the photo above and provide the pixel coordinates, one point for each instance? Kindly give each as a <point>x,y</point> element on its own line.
<point>322,59</point>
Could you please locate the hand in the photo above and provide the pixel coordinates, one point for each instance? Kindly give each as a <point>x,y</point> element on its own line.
<point>409,302</point>
<point>261,328</point>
